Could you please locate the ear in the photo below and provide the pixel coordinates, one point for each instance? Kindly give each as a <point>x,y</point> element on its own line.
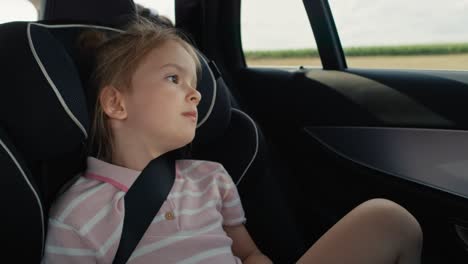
<point>113,103</point>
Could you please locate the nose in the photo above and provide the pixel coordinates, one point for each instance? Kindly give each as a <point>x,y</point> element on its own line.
<point>195,96</point>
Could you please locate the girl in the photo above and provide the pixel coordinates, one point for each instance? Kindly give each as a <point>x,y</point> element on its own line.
<point>147,106</point>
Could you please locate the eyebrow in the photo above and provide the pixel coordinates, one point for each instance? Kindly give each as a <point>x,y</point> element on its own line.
<point>173,65</point>
<point>180,68</point>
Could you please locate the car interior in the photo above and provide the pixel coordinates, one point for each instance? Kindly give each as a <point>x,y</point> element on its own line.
<point>304,145</point>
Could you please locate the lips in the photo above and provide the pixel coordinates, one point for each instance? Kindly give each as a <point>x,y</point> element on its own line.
<point>192,114</point>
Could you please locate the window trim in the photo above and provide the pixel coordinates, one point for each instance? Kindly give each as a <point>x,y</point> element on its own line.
<point>325,33</point>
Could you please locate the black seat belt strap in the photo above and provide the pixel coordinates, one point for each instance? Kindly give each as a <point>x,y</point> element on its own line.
<point>142,202</point>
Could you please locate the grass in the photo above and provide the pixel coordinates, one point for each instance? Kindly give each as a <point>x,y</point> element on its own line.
<point>435,62</point>
<point>402,50</point>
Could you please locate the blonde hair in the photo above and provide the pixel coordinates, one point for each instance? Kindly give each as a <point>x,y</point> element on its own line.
<point>116,60</point>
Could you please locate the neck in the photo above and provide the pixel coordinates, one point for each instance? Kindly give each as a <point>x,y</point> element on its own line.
<point>133,153</point>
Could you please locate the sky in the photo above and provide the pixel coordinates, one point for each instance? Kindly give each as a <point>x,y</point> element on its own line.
<point>273,24</point>
<point>283,24</point>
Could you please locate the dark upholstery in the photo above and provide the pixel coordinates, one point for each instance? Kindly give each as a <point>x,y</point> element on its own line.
<point>22,224</point>
<point>97,12</point>
<point>43,123</point>
<point>214,109</point>
<point>41,108</point>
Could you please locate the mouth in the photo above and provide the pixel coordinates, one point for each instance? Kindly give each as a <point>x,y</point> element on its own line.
<point>192,115</point>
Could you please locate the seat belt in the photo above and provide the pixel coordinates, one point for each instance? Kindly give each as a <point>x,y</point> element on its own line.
<point>142,202</point>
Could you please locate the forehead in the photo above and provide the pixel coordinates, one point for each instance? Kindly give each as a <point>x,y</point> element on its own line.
<point>170,52</point>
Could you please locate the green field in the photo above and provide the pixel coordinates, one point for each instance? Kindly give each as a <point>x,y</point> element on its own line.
<point>403,50</point>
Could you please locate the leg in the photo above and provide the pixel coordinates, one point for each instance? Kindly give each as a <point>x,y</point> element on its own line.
<point>376,232</point>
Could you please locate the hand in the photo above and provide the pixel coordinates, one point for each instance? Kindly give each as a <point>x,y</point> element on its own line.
<point>257,258</point>
<point>244,247</point>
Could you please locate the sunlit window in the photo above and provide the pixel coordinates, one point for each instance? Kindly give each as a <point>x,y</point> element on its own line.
<point>416,34</point>
<point>17,10</point>
<point>277,33</point>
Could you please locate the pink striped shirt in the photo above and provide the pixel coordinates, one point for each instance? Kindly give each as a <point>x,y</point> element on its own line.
<point>85,223</point>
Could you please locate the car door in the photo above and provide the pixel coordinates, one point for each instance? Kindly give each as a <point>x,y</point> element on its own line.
<point>349,134</point>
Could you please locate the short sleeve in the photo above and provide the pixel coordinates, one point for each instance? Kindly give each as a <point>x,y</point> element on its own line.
<point>232,210</point>
<point>65,245</point>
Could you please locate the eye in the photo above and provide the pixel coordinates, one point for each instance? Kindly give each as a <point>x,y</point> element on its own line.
<point>173,78</point>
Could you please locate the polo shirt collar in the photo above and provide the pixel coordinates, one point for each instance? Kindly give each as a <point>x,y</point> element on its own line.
<point>120,177</point>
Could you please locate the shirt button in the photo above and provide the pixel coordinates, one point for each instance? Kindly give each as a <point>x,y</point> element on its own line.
<point>169,216</point>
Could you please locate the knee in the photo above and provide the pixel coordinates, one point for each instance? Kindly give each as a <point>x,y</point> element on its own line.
<point>395,219</point>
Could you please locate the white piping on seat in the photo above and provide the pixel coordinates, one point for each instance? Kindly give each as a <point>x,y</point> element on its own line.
<point>213,99</point>
<point>76,25</point>
<point>32,189</point>
<point>205,118</point>
<point>256,143</point>
<point>46,75</point>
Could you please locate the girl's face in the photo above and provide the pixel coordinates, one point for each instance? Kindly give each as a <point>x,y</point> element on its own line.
<point>162,102</point>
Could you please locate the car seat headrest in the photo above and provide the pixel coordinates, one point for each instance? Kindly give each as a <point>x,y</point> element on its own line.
<point>42,107</point>
<point>99,12</point>
<point>215,107</point>
<point>55,112</point>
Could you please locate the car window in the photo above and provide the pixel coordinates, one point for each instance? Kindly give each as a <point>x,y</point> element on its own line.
<point>161,7</point>
<point>18,10</point>
<point>277,33</point>
<point>417,34</point>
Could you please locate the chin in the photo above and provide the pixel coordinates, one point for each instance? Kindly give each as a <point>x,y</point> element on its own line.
<point>189,140</point>
<point>184,141</point>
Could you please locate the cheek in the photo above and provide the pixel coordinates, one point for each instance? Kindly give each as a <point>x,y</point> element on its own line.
<point>142,99</point>
<point>152,109</point>
<point>157,105</point>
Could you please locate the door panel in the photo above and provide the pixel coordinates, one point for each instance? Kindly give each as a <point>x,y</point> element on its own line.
<point>359,134</point>
<point>431,157</point>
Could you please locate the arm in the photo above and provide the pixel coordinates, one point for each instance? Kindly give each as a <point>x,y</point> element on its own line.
<point>244,247</point>
<point>65,245</point>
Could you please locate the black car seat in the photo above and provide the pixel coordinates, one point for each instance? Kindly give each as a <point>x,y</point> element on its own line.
<point>44,124</point>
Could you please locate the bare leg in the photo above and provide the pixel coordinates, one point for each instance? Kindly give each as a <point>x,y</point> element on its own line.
<point>376,232</point>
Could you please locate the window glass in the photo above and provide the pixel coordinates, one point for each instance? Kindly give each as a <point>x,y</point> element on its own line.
<point>161,7</point>
<point>416,34</point>
<point>277,33</point>
<point>17,10</point>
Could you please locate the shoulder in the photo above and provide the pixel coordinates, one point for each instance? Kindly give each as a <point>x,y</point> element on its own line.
<point>196,169</point>
<point>81,201</point>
